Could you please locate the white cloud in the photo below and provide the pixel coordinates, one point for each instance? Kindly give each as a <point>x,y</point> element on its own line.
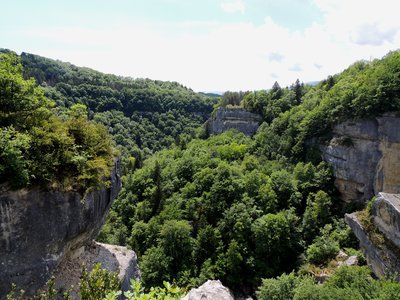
<point>233,56</point>
<point>234,6</point>
<point>360,21</point>
<point>274,56</point>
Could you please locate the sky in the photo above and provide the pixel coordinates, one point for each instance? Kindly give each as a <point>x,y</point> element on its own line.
<point>206,45</point>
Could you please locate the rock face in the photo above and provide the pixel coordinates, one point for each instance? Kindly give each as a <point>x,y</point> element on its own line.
<point>234,118</point>
<point>112,258</point>
<point>386,212</point>
<point>126,259</point>
<point>384,258</point>
<point>39,228</point>
<point>365,156</point>
<point>211,290</point>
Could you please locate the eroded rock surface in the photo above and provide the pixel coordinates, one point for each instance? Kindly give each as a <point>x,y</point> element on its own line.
<point>382,254</point>
<point>365,156</point>
<point>112,258</point>
<point>211,290</point>
<point>235,118</point>
<point>39,228</point>
<point>386,212</point>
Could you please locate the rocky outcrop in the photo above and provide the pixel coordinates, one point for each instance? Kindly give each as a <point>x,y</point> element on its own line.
<point>365,156</point>
<point>383,257</point>
<point>39,228</point>
<point>211,290</point>
<point>386,214</point>
<point>112,258</point>
<point>234,118</point>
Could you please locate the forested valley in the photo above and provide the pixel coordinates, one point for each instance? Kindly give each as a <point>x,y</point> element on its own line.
<point>259,213</point>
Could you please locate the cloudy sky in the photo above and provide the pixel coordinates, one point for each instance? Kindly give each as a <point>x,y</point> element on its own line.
<point>208,45</point>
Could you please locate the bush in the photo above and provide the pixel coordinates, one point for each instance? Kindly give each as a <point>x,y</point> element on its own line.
<point>322,250</point>
<point>281,288</point>
<point>97,284</point>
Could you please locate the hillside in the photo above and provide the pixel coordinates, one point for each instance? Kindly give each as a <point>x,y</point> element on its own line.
<point>39,146</point>
<point>241,209</point>
<point>245,210</point>
<point>142,115</point>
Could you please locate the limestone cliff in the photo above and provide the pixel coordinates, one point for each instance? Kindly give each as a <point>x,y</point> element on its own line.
<point>383,253</point>
<point>234,118</point>
<point>38,228</point>
<point>365,156</point>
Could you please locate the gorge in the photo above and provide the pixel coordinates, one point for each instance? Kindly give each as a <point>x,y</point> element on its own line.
<point>254,197</point>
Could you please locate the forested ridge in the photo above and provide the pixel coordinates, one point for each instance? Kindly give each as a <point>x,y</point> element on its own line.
<point>142,115</point>
<point>245,210</point>
<point>39,146</point>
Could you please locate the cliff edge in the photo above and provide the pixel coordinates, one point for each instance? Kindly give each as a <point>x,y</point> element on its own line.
<point>365,156</point>
<point>39,228</point>
<point>380,240</point>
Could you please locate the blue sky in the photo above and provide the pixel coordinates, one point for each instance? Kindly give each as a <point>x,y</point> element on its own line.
<point>208,45</point>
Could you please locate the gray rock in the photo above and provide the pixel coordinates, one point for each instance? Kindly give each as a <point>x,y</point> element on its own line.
<point>234,118</point>
<point>365,156</point>
<point>386,213</point>
<point>39,228</point>
<point>383,261</point>
<point>211,290</point>
<point>111,257</point>
<point>127,264</point>
<point>342,255</point>
<point>351,261</point>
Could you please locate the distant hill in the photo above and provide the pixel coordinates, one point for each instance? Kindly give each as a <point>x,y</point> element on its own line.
<point>212,94</point>
<point>143,115</point>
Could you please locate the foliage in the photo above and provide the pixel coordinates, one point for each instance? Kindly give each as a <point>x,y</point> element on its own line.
<point>50,293</point>
<point>346,283</point>
<point>37,146</point>
<point>322,250</point>
<point>364,89</point>
<point>97,284</point>
<point>317,214</point>
<point>167,292</point>
<point>216,210</point>
<point>102,284</point>
<point>232,98</point>
<point>282,287</point>
<point>142,115</point>
<point>230,207</point>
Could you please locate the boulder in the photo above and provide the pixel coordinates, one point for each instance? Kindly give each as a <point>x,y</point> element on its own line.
<point>211,290</point>
<point>111,257</point>
<point>39,228</point>
<point>351,261</point>
<point>341,256</point>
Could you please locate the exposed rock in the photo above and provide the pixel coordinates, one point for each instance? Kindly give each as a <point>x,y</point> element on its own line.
<point>113,258</point>
<point>211,290</point>
<point>386,212</point>
<point>234,118</point>
<point>365,156</point>
<point>383,261</point>
<point>38,228</point>
<point>341,256</point>
<point>351,261</point>
<point>127,264</point>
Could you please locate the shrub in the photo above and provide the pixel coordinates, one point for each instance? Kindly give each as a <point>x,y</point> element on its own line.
<point>97,284</point>
<point>322,250</point>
